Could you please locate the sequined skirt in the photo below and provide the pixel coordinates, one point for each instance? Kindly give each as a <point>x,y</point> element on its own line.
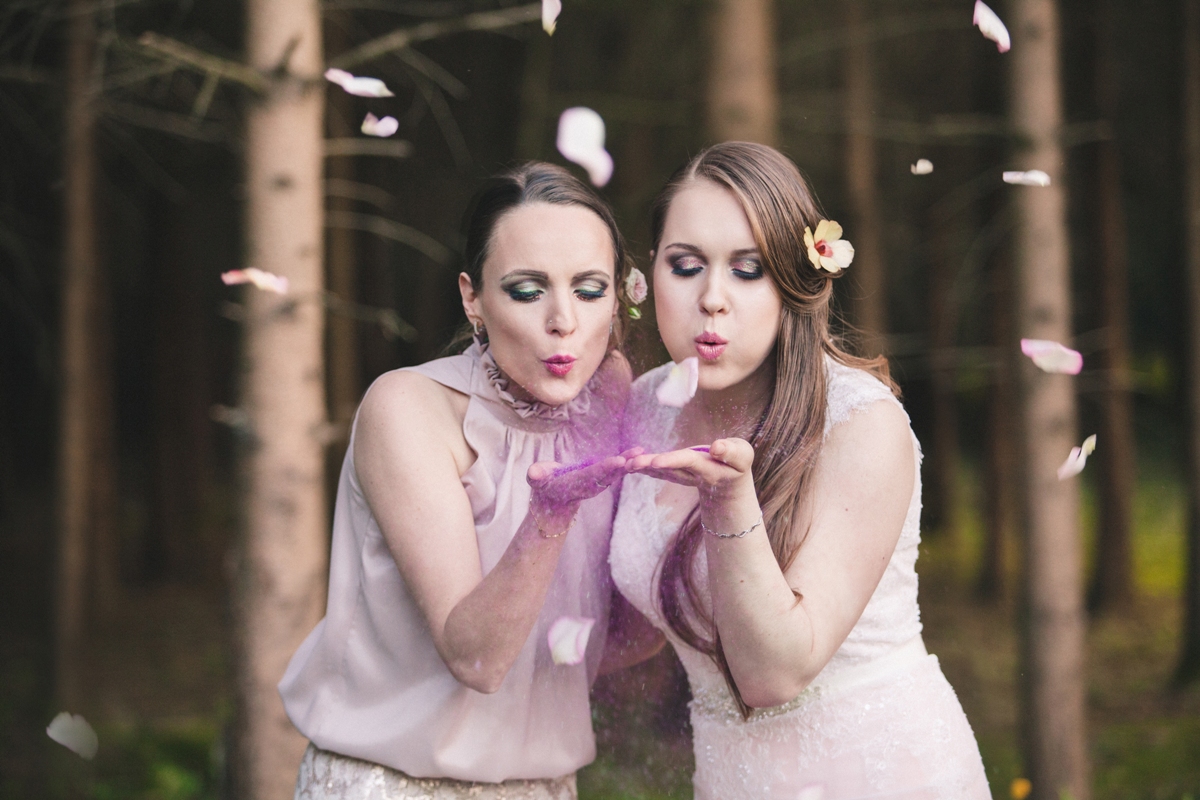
<point>329,776</point>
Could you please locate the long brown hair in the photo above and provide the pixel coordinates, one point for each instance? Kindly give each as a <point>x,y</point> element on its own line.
<point>788,437</point>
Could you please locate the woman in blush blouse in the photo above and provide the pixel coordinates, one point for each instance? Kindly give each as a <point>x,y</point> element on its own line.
<point>459,536</point>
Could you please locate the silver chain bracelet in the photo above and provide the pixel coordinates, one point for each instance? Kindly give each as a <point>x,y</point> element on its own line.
<point>737,535</point>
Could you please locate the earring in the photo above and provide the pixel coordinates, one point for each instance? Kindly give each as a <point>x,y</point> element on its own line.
<point>475,326</point>
<point>480,331</point>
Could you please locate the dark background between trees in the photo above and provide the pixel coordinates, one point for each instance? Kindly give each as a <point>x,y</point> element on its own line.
<point>857,91</point>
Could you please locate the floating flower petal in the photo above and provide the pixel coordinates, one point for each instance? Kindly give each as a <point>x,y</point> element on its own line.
<point>266,281</point>
<point>1052,357</point>
<point>568,638</point>
<point>635,286</point>
<point>991,27</point>
<point>73,732</point>
<point>360,87</point>
<point>923,167</point>
<point>1077,459</point>
<point>581,140</point>
<point>680,385</point>
<point>550,11</point>
<point>1034,177</point>
<point>1020,788</point>
<point>827,249</point>
<point>373,126</point>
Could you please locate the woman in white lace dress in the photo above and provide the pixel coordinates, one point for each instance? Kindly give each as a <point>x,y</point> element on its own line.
<point>771,527</point>
<point>457,543</point>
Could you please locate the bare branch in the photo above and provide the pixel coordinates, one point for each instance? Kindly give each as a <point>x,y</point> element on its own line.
<point>390,229</point>
<point>26,74</point>
<point>434,71</point>
<point>168,122</point>
<point>407,37</point>
<point>879,30</point>
<point>389,148</point>
<point>362,192</point>
<point>412,8</point>
<point>205,62</point>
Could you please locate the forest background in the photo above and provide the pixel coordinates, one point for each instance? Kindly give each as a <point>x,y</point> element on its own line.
<point>136,388</point>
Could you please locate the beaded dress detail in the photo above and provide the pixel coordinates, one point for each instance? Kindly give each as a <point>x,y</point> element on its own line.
<point>879,721</point>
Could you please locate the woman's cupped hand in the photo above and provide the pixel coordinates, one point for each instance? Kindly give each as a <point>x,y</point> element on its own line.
<point>719,469</point>
<point>557,486</point>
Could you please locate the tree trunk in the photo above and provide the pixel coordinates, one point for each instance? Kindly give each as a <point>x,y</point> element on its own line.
<point>341,272</point>
<point>75,420</point>
<point>1112,582</point>
<point>1056,744</point>
<point>1189,663</point>
<point>743,98</point>
<point>283,565</point>
<point>943,326</point>
<point>869,276</point>
<point>999,453</point>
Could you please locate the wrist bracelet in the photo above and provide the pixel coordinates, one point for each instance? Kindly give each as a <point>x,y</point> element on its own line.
<point>542,531</point>
<point>737,535</point>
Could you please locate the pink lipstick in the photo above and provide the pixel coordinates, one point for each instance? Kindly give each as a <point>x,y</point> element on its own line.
<point>559,365</point>
<point>710,346</point>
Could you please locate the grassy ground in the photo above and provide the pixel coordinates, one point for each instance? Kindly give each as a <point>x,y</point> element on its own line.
<point>160,701</point>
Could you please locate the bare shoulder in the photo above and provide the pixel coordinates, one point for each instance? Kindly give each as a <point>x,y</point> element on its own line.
<point>874,444</point>
<point>405,407</point>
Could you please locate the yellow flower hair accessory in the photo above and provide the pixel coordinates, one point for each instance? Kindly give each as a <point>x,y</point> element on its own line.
<point>827,249</point>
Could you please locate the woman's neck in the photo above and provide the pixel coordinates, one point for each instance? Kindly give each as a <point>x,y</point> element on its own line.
<point>732,411</point>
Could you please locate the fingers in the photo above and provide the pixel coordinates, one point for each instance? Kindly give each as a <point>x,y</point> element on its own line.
<point>737,453</point>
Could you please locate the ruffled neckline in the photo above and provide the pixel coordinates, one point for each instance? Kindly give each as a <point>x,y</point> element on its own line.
<point>580,405</point>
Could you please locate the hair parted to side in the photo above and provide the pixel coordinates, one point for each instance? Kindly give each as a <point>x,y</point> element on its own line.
<point>525,184</point>
<point>787,439</point>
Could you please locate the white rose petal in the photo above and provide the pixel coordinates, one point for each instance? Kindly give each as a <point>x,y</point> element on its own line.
<point>1077,459</point>
<point>635,286</point>
<point>1051,356</point>
<point>373,126</point>
<point>73,732</point>
<point>923,167</point>
<point>680,384</point>
<point>1034,177</point>
<point>550,11</point>
<point>568,638</point>
<point>267,281</point>
<point>581,140</point>
<point>991,27</point>
<point>361,87</point>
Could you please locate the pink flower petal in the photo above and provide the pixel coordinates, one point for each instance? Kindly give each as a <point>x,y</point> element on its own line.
<point>923,167</point>
<point>568,638</point>
<point>680,384</point>
<point>814,791</point>
<point>1052,357</point>
<point>361,87</point>
<point>1077,459</point>
<point>991,27</point>
<point>581,140</point>
<point>73,732</point>
<point>373,126</point>
<point>266,281</point>
<point>550,11</point>
<point>635,286</point>
<point>1034,177</point>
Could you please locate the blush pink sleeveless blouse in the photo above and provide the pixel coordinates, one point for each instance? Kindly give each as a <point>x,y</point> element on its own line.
<point>368,682</point>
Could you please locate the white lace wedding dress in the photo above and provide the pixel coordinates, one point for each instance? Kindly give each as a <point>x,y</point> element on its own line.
<point>880,721</point>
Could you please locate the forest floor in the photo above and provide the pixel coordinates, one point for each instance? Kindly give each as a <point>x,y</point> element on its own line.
<point>161,700</point>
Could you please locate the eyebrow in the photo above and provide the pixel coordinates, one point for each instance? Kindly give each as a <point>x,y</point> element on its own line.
<point>538,275</point>
<point>691,248</point>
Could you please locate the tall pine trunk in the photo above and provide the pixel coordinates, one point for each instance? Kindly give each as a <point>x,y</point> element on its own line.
<point>743,95</point>
<point>1056,740</point>
<point>76,431</point>
<point>869,276</point>
<point>1112,582</point>
<point>1189,663</point>
<point>283,561</point>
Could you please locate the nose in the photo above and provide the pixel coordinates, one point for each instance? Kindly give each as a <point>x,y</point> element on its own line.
<point>562,320</point>
<point>714,299</point>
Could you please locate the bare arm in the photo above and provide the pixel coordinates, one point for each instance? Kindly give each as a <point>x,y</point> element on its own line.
<point>779,630</point>
<point>410,455</point>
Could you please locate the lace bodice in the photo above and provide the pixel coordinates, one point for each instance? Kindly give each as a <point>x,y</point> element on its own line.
<point>643,530</point>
